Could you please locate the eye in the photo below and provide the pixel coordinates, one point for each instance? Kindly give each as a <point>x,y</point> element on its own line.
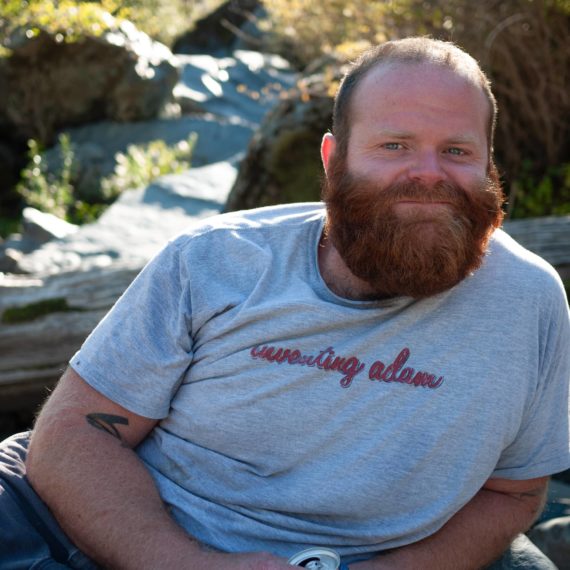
<point>455,151</point>
<point>393,146</point>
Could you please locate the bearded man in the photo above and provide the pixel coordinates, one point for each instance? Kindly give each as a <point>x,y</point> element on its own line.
<point>386,376</point>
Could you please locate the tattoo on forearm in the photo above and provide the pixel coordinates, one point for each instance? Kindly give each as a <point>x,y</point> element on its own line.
<point>106,422</point>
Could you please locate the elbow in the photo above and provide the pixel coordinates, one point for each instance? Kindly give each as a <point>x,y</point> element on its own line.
<point>43,456</point>
<point>36,464</point>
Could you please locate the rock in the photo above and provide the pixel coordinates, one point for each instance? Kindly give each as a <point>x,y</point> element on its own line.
<point>232,95</point>
<point>251,35</point>
<point>137,224</point>
<point>9,259</point>
<point>557,502</point>
<point>235,93</point>
<point>41,227</point>
<point>245,84</point>
<point>50,84</point>
<point>547,236</point>
<point>72,282</point>
<point>283,162</point>
<point>12,252</point>
<point>553,538</point>
<point>21,243</point>
<point>218,30</point>
<point>43,322</point>
<point>38,228</point>
<point>96,145</point>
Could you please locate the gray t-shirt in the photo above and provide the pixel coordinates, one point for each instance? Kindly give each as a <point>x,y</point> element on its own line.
<point>291,417</point>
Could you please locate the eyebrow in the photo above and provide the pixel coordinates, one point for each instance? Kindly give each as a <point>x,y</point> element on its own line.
<point>405,135</point>
<point>401,135</point>
<point>461,139</point>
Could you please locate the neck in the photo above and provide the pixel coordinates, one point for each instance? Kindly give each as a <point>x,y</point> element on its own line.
<point>338,276</point>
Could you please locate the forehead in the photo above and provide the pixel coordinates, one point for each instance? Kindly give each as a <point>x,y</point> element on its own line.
<point>406,95</point>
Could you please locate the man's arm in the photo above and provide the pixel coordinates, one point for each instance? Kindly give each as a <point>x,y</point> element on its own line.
<point>82,464</point>
<point>475,536</point>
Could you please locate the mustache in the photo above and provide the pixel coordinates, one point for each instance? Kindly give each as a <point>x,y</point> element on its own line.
<point>481,198</point>
<point>363,190</point>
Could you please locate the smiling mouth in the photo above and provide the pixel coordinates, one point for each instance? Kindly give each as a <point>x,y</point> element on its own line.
<point>423,202</point>
<point>428,211</point>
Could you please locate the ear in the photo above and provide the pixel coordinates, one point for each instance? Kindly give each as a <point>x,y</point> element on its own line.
<point>328,146</point>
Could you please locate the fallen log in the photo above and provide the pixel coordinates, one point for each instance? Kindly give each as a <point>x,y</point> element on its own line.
<point>44,321</point>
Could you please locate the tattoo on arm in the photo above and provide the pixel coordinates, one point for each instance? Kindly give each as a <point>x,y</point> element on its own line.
<point>106,422</point>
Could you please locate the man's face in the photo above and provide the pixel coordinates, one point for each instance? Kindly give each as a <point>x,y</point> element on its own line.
<point>411,205</point>
<point>418,122</point>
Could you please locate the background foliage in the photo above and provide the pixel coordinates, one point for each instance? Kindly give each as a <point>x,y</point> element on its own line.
<point>55,192</point>
<point>522,45</point>
<point>161,19</point>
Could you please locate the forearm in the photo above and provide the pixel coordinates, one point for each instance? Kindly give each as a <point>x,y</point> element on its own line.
<point>472,539</point>
<point>104,498</point>
<point>81,463</point>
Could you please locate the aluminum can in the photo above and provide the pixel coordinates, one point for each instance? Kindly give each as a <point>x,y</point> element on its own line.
<point>316,559</point>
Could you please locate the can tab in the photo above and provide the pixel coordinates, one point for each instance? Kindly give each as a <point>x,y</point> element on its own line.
<point>312,564</point>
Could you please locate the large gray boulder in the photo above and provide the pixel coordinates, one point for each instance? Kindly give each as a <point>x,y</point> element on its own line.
<point>222,100</point>
<point>283,163</point>
<point>553,538</point>
<point>49,84</point>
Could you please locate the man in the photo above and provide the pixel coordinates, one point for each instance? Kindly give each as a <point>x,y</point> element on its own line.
<point>389,380</point>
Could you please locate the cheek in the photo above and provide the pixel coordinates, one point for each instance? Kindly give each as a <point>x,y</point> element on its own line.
<point>379,172</point>
<point>468,177</point>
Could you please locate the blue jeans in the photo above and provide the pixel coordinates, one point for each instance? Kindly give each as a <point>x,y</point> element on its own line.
<point>31,539</point>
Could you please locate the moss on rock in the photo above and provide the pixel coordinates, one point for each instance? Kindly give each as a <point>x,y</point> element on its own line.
<point>32,311</point>
<point>283,163</point>
<point>295,165</point>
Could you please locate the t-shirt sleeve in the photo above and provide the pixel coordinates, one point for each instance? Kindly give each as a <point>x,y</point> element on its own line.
<point>138,354</point>
<point>542,445</point>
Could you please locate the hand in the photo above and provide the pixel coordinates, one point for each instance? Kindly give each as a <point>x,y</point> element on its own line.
<point>245,561</point>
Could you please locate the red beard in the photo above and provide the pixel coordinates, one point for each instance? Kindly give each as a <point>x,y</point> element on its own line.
<point>419,254</point>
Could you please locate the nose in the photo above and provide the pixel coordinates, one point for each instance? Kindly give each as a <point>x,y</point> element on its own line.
<point>426,168</point>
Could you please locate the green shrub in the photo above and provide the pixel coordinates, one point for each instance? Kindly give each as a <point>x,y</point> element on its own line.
<point>143,163</point>
<point>542,194</point>
<point>8,226</point>
<point>46,191</point>
<point>161,19</point>
<point>54,192</point>
<point>68,19</point>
